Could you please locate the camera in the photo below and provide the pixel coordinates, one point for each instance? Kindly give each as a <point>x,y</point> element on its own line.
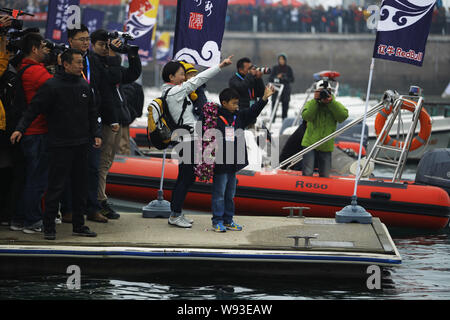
<point>264,70</point>
<point>15,24</point>
<point>324,94</point>
<point>55,50</point>
<point>125,47</point>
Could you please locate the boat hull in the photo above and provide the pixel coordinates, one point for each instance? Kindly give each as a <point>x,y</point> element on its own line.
<point>266,193</point>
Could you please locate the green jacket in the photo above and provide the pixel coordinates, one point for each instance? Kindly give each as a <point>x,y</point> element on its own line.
<point>321,121</point>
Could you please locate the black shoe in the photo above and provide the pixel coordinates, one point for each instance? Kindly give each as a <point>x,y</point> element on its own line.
<point>50,235</point>
<point>108,212</point>
<point>84,232</point>
<point>112,215</point>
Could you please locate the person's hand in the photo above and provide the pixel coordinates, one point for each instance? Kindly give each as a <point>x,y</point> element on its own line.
<point>280,75</point>
<point>268,91</point>
<point>226,62</point>
<point>317,94</point>
<point>116,43</point>
<point>15,137</point>
<point>317,97</point>
<point>5,21</point>
<point>115,127</point>
<point>97,142</point>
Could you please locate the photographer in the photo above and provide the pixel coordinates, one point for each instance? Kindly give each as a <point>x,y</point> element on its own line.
<point>28,216</point>
<point>248,82</point>
<point>322,115</point>
<point>6,152</point>
<point>113,104</point>
<point>282,74</point>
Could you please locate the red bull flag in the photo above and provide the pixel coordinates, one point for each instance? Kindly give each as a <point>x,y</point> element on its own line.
<point>403,29</point>
<point>141,24</point>
<point>164,48</point>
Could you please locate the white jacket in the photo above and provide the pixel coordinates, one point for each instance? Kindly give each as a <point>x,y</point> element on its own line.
<point>178,93</point>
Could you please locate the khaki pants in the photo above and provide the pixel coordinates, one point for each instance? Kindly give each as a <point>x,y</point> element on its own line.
<point>110,146</point>
<point>124,145</point>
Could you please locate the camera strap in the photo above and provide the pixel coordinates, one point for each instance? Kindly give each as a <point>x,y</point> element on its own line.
<point>251,93</point>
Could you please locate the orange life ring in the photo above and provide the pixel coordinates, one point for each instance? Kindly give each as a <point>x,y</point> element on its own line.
<point>419,140</point>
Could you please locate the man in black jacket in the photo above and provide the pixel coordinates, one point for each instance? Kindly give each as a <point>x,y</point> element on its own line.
<point>112,105</point>
<point>68,104</point>
<point>248,82</point>
<point>93,74</point>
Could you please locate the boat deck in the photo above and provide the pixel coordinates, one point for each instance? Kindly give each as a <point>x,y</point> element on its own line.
<point>149,242</point>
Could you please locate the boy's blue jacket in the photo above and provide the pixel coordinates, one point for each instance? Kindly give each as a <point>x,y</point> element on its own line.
<point>242,119</point>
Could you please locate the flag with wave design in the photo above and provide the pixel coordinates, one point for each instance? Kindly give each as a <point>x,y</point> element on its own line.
<point>403,29</point>
<point>199,31</point>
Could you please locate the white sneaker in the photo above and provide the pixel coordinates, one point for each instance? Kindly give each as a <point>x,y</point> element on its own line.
<point>188,220</point>
<point>179,222</point>
<point>32,230</point>
<point>16,227</point>
<point>58,220</point>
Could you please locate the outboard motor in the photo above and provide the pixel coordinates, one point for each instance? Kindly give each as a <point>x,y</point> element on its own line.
<point>434,169</point>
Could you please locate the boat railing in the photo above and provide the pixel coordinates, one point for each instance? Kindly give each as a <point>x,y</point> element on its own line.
<point>398,162</point>
<point>293,160</point>
<point>391,99</point>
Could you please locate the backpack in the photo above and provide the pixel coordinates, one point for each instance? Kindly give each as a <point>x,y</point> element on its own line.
<point>13,97</point>
<point>159,133</point>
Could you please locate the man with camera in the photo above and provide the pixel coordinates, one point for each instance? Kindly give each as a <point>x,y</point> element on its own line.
<point>113,109</point>
<point>248,82</point>
<point>322,115</point>
<point>28,216</point>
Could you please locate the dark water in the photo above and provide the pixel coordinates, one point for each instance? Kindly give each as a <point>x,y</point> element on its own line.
<point>424,274</point>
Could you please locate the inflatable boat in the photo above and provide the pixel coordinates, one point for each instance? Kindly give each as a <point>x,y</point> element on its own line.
<point>405,204</point>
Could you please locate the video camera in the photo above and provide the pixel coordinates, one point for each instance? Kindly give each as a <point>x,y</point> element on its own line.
<point>55,50</point>
<point>125,47</point>
<point>15,23</point>
<point>15,38</point>
<point>264,70</point>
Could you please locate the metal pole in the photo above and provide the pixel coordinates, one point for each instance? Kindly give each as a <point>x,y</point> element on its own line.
<point>358,169</point>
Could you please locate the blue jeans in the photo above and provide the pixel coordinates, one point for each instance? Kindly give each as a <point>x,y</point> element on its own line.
<point>223,191</point>
<point>324,163</point>
<point>29,208</point>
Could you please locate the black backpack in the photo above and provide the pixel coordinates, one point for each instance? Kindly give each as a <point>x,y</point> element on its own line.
<point>160,133</point>
<point>13,97</point>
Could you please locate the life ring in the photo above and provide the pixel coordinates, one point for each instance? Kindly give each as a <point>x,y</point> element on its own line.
<point>419,140</point>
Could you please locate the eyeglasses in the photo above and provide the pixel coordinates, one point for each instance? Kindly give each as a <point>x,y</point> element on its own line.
<point>82,39</point>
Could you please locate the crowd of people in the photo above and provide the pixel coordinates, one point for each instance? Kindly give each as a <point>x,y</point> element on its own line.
<point>61,138</point>
<point>62,122</point>
<point>304,19</point>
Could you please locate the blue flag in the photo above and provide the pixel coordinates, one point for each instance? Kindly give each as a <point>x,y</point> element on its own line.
<point>93,19</point>
<point>56,29</point>
<point>199,31</point>
<point>403,30</point>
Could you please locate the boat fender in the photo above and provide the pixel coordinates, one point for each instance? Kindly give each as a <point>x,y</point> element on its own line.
<point>425,126</point>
